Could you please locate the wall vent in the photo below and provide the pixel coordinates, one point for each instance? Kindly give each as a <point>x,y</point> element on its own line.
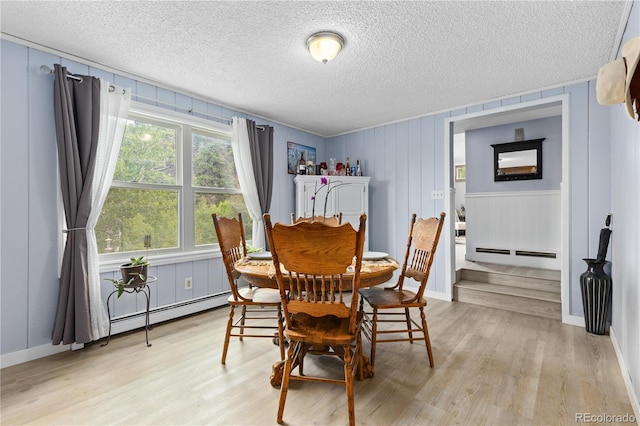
<point>492,251</point>
<point>535,254</point>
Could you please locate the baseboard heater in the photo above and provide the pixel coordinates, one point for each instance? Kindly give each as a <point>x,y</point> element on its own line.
<point>492,251</point>
<point>173,307</point>
<point>535,254</point>
<point>136,320</point>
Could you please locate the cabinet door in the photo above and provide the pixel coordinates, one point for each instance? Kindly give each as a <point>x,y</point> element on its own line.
<point>310,188</point>
<point>350,201</point>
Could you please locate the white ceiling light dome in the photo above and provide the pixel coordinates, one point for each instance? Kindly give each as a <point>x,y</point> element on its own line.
<point>325,45</point>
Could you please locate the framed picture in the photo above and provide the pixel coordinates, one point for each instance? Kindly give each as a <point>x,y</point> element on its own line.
<point>295,152</point>
<point>461,173</point>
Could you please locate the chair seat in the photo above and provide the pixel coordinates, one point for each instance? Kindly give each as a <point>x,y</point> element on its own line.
<point>258,295</point>
<point>380,298</point>
<point>326,331</point>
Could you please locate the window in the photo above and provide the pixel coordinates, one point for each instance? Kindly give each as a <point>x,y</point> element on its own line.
<point>172,173</point>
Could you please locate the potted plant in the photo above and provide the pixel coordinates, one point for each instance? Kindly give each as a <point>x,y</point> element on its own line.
<point>134,273</point>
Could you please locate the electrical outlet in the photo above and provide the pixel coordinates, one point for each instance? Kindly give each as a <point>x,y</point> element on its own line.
<point>188,283</point>
<point>437,195</point>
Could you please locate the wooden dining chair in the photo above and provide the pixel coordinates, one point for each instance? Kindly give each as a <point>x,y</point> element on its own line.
<point>259,304</point>
<point>330,220</point>
<point>423,236</point>
<point>320,318</point>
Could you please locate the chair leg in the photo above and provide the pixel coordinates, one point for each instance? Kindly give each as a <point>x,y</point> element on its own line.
<point>360,357</point>
<point>280,332</point>
<point>426,336</point>
<point>227,335</point>
<point>244,314</point>
<point>284,387</point>
<point>348,378</point>
<point>408,318</point>
<point>374,331</point>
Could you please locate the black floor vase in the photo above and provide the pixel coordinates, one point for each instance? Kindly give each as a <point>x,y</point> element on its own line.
<point>596,296</point>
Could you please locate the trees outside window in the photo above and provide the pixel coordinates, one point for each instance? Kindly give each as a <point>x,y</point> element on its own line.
<point>170,177</point>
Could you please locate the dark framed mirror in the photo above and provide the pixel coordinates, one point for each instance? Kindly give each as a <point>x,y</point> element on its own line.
<point>517,160</point>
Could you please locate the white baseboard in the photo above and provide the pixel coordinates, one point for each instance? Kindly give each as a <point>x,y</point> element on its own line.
<point>635,399</point>
<point>573,320</point>
<point>438,295</point>
<point>25,355</point>
<point>119,325</point>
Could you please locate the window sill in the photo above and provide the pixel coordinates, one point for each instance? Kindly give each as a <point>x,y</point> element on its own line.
<point>113,263</point>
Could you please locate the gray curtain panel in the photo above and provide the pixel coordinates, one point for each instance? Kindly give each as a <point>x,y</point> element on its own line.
<point>77,116</point>
<point>261,145</point>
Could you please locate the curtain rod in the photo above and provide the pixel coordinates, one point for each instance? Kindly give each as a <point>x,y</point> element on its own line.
<point>47,70</point>
<point>190,110</point>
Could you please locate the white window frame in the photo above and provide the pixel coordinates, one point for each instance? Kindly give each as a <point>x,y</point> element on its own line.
<point>187,250</point>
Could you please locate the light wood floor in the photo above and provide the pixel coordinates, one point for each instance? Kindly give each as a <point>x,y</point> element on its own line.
<point>493,367</point>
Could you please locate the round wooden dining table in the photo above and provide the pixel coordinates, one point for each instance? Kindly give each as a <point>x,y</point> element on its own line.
<point>261,272</point>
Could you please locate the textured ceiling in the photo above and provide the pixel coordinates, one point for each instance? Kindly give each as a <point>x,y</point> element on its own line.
<point>401,59</point>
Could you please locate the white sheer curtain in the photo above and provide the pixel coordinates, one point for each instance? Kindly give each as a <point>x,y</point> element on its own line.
<point>114,108</point>
<point>244,167</point>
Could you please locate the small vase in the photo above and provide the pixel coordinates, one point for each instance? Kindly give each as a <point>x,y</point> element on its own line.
<point>596,296</point>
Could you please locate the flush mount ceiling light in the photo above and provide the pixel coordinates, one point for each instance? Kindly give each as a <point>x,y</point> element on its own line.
<point>324,46</point>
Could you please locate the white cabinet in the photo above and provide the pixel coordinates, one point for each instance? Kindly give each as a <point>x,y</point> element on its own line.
<point>348,195</point>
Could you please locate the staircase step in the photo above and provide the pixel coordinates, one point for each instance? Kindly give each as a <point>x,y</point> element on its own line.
<point>516,299</point>
<point>546,281</point>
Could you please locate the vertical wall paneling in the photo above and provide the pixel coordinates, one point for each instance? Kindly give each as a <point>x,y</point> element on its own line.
<point>217,274</point>
<point>184,104</point>
<point>530,97</point>
<point>552,92</point>
<point>599,158</point>
<point>379,193</point>
<point>495,221</point>
<point>438,272</point>
<point>391,175</point>
<point>624,250</point>
<point>165,287</point>
<point>579,116</point>
<point>414,169</point>
<point>166,99</point>
<point>474,108</point>
<point>121,81</point>
<point>510,101</point>
<point>405,148</point>
<point>427,154</point>
<point>200,278</point>
<point>146,90</point>
<point>98,73</point>
<point>42,212</point>
<point>491,105</point>
<point>14,201</point>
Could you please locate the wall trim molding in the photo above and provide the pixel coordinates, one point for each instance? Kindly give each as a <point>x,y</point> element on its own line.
<point>633,398</point>
<point>121,325</point>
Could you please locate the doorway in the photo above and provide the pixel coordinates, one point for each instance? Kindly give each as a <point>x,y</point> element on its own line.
<point>526,111</point>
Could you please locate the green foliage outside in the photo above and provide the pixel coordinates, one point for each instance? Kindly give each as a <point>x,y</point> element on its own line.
<point>149,156</point>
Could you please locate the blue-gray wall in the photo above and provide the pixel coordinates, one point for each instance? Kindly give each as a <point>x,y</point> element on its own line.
<point>480,159</point>
<point>28,199</point>
<point>406,161</point>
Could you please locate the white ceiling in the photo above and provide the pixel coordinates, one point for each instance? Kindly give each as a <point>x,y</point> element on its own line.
<point>401,59</point>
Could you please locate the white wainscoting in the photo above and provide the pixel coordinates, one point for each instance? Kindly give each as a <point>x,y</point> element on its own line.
<point>520,223</point>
